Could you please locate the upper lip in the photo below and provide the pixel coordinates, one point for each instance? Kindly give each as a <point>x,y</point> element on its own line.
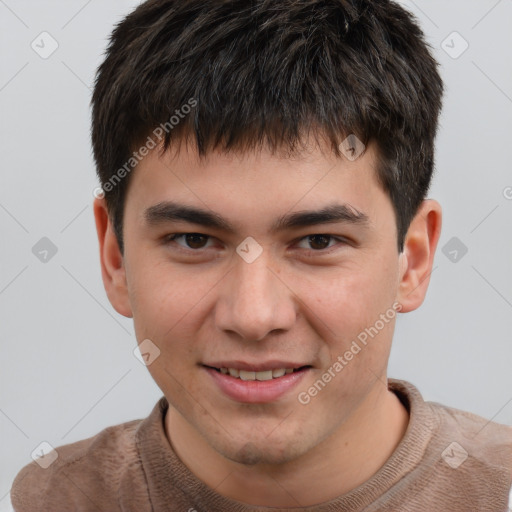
<point>255,367</point>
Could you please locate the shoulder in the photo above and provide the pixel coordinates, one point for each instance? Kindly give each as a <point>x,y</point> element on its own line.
<point>474,455</point>
<point>485,440</point>
<point>87,473</point>
<point>465,461</point>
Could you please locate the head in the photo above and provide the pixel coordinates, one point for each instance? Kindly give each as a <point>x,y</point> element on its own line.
<point>243,110</point>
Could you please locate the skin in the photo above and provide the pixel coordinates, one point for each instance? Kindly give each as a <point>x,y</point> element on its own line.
<point>302,299</point>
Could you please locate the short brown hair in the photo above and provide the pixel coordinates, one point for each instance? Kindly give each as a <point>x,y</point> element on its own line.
<point>266,72</point>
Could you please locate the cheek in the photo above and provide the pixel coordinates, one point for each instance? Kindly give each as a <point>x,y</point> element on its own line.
<point>164,297</point>
<point>347,300</point>
<point>345,309</point>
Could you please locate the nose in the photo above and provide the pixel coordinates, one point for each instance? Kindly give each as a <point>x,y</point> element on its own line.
<point>254,301</point>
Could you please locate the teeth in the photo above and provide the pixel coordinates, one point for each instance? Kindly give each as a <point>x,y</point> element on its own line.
<point>261,376</point>
<point>264,375</point>
<point>233,372</point>
<point>247,375</point>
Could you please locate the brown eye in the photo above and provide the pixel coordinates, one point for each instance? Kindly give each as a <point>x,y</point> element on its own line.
<point>195,240</point>
<point>191,241</point>
<point>319,242</point>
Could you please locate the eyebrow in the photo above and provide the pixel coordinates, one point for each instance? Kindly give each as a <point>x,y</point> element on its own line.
<point>169,211</point>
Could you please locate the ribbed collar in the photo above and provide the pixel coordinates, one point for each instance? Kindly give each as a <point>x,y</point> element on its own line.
<point>167,477</point>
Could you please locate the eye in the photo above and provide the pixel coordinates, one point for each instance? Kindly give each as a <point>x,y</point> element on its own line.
<point>196,242</point>
<point>320,242</point>
<point>193,241</point>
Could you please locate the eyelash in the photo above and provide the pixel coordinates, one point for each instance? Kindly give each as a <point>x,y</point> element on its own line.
<point>169,239</point>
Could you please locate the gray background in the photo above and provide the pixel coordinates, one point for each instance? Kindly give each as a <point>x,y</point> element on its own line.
<point>67,368</point>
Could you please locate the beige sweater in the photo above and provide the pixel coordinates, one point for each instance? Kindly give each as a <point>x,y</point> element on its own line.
<point>132,468</point>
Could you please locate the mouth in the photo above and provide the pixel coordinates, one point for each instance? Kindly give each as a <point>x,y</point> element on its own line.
<point>251,375</point>
<point>256,383</point>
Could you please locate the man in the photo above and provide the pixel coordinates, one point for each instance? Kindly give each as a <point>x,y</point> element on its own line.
<point>263,219</point>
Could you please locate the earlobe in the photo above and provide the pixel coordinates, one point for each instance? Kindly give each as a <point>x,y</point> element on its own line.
<point>112,263</point>
<point>417,258</point>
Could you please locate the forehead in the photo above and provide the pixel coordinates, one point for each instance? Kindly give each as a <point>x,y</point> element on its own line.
<point>255,184</point>
<point>310,160</point>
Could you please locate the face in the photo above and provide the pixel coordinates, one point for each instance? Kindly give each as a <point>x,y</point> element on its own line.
<point>259,286</point>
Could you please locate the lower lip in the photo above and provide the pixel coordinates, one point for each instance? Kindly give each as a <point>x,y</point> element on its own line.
<point>255,391</point>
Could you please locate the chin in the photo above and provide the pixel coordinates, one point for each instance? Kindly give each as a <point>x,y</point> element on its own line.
<point>261,451</point>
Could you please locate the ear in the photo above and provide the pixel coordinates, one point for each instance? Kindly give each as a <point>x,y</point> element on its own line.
<point>112,262</point>
<point>417,257</point>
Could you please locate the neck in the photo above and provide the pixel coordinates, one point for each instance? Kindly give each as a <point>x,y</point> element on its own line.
<point>342,462</point>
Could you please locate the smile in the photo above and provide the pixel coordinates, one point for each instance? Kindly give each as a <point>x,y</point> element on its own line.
<point>253,375</point>
<point>256,385</point>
